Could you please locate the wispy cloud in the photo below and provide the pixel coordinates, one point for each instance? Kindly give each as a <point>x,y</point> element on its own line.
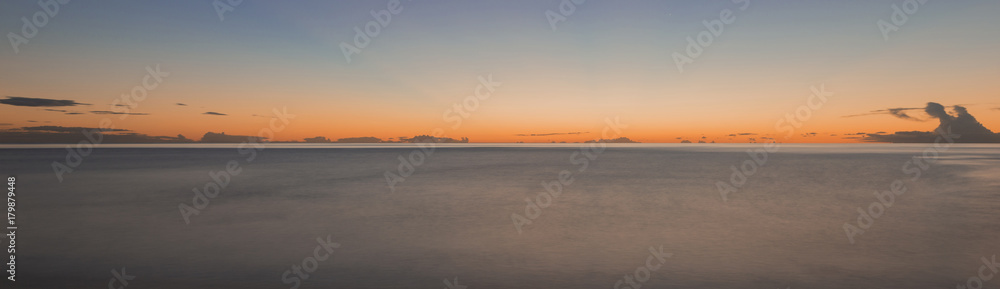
<point>53,128</point>
<point>115,112</point>
<point>553,133</point>
<point>214,113</point>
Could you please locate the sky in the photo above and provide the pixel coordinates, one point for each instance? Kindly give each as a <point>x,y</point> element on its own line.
<point>603,59</point>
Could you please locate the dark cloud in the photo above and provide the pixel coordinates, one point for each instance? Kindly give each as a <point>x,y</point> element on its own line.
<point>44,102</point>
<point>214,113</point>
<point>56,110</point>
<point>115,112</point>
<point>72,113</point>
<point>211,137</point>
<point>181,104</point>
<point>959,122</point>
<point>553,133</point>
<point>36,137</point>
<point>746,133</point>
<point>61,134</point>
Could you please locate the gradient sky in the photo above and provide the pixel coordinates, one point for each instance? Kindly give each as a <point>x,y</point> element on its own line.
<point>609,58</point>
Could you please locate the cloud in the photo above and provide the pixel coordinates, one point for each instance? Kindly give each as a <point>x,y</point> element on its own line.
<point>181,104</point>
<point>72,113</point>
<point>53,128</point>
<point>4,124</point>
<point>899,112</point>
<point>61,134</point>
<point>36,102</point>
<point>214,113</point>
<point>56,110</point>
<point>115,112</point>
<point>211,137</point>
<point>959,122</point>
<point>553,133</point>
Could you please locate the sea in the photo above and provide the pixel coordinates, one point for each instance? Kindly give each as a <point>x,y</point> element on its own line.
<point>505,216</point>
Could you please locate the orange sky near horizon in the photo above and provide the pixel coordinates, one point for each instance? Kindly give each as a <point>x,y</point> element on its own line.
<point>551,82</point>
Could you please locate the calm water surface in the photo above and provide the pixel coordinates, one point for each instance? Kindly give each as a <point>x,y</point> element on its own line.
<point>452,217</point>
